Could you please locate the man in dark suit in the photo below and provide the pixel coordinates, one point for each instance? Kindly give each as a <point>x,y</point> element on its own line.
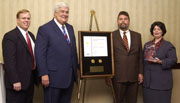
<point>56,56</point>
<point>18,45</point>
<point>128,61</point>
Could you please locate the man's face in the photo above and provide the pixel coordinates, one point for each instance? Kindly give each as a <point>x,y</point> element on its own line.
<point>24,20</point>
<point>123,22</point>
<point>62,15</point>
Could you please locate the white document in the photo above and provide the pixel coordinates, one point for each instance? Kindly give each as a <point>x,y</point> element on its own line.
<point>95,46</point>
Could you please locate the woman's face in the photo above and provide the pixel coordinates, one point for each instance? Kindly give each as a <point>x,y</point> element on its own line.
<point>157,32</point>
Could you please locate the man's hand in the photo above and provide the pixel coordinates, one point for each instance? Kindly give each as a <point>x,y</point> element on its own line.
<point>45,80</point>
<point>140,78</point>
<point>17,86</point>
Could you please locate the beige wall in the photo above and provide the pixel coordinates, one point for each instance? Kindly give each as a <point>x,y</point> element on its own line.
<point>142,14</point>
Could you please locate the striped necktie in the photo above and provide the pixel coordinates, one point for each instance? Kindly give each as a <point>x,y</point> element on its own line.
<point>65,34</point>
<point>125,41</point>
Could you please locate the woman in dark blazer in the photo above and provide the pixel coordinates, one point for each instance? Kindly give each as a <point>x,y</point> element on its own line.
<point>159,58</point>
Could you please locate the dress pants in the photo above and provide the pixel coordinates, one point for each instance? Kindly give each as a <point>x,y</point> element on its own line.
<point>58,95</point>
<point>23,96</point>
<point>126,92</point>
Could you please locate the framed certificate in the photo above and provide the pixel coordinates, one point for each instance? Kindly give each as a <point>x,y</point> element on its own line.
<point>96,54</point>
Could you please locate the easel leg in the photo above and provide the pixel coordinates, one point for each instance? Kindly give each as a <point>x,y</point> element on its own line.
<point>79,89</point>
<point>113,93</point>
<point>84,90</point>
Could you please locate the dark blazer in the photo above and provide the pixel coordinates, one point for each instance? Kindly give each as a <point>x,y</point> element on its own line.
<point>17,59</point>
<point>159,76</point>
<point>54,56</point>
<point>127,64</point>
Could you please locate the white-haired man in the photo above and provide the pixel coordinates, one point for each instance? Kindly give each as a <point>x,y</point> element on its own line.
<point>56,56</point>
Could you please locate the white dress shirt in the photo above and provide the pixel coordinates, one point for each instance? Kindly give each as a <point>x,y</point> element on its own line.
<point>60,27</point>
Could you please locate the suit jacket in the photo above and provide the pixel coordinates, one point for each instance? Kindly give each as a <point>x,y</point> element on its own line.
<point>127,64</point>
<point>54,56</point>
<point>159,76</point>
<point>17,59</point>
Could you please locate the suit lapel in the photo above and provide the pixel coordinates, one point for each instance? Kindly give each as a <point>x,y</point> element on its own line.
<point>70,32</point>
<point>58,31</point>
<point>121,40</point>
<point>32,36</point>
<point>132,41</point>
<point>22,39</point>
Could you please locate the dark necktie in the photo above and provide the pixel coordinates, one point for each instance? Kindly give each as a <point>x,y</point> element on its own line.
<point>30,49</point>
<point>125,41</point>
<point>65,34</point>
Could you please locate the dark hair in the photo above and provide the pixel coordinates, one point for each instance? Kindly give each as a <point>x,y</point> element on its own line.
<point>123,13</point>
<point>159,24</point>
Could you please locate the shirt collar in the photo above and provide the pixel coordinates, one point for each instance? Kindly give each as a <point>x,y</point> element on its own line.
<point>22,31</point>
<point>121,32</point>
<point>59,25</point>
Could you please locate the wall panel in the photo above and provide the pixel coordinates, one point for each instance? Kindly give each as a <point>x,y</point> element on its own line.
<point>142,14</point>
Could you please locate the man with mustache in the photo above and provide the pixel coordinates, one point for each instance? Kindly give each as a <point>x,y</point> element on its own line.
<point>128,61</point>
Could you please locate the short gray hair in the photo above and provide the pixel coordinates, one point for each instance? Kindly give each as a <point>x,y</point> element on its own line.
<point>60,5</point>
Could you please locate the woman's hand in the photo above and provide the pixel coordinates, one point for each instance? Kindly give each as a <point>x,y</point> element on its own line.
<point>155,60</point>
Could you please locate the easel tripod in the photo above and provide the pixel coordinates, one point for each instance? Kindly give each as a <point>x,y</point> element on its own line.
<point>83,80</point>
